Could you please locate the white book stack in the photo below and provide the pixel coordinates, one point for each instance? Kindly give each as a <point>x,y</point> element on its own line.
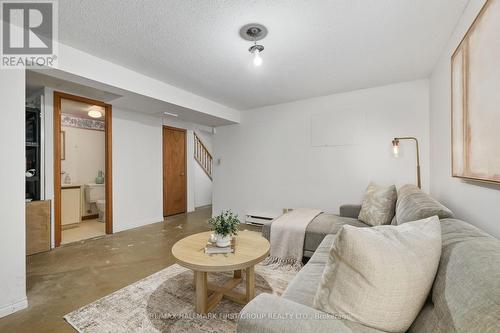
<point>211,248</point>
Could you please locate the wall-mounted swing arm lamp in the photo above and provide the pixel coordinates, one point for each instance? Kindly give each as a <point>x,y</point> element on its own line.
<point>395,149</point>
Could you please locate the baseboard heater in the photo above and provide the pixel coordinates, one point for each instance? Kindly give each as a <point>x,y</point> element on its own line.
<point>258,220</point>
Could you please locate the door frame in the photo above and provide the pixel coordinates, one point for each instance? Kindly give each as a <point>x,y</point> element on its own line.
<point>185,165</point>
<point>108,179</point>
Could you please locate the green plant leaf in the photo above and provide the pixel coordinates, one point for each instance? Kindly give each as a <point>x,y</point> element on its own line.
<point>224,224</point>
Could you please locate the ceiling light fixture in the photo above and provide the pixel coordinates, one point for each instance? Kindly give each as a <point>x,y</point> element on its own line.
<point>254,32</point>
<point>256,50</point>
<point>94,113</point>
<point>170,114</point>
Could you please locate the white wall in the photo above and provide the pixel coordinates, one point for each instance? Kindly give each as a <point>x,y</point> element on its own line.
<point>137,169</point>
<point>48,118</point>
<point>203,187</point>
<point>85,154</point>
<point>137,166</point>
<point>472,201</point>
<point>198,188</point>
<point>12,205</point>
<point>203,184</point>
<point>267,162</point>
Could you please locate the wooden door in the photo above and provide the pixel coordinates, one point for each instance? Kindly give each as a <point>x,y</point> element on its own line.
<point>174,171</point>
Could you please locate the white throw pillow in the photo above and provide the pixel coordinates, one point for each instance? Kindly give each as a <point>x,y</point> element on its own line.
<point>381,276</point>
<point>379,203</point>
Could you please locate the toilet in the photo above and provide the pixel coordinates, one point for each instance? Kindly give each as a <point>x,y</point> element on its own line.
<point>95,194</point>
<point>101,207</point>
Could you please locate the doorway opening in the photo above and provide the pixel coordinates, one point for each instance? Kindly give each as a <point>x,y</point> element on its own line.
<point>174,171</point>
<point>82,168</point>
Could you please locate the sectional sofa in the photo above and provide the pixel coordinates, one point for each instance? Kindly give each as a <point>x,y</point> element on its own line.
<point>465,296</point>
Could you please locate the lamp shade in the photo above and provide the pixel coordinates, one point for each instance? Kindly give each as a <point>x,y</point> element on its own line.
<point>395,147</point>
<point>257,58</point>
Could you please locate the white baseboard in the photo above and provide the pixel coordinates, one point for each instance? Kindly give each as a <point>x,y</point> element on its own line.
<point>14,307</point>
<point>137,225</point>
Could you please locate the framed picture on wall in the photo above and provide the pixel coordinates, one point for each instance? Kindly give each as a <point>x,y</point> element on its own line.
<point>475,90</point>
<point>63,145</point>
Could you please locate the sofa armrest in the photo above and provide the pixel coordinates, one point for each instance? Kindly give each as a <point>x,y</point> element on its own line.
<point>350,211</point>
<point>272,314</point>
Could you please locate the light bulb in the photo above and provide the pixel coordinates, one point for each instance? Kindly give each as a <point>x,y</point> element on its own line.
<point>395,147</point>
<point>395,150</point>
<point>257,59</point>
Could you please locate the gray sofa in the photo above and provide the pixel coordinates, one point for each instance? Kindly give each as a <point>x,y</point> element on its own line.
<point>418,205</point>
<point>465,296</point>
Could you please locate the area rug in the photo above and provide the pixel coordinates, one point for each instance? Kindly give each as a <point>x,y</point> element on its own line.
<point>163,302</point>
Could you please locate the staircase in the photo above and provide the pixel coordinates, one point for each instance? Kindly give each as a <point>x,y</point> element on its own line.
<point>202,156</point>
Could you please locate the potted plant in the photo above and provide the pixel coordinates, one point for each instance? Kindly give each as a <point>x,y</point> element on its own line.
<point>224,226</point>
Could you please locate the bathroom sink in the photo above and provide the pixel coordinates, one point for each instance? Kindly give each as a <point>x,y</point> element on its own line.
<point>70,185</point>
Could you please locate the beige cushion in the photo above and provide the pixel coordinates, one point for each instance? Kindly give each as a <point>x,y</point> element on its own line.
<point>381,276</point>
<point>378,205</point>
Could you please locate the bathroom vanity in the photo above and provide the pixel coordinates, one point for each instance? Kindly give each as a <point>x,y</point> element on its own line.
<point>71,204</point>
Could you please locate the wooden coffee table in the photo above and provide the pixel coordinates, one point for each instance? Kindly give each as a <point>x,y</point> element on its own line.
<point>250,249</point>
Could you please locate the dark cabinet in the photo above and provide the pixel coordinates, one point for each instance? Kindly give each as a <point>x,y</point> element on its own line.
<point>33,177</point>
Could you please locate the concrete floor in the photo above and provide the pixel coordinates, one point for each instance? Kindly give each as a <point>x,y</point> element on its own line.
<point>76,274</point>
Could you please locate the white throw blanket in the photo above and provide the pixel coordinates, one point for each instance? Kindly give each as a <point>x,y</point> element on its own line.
<point>287,237</point>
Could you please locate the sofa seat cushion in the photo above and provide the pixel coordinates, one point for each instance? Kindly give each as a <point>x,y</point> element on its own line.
<point>268,313</point>
<point>413,204</point>
<point>466,291</point>
<point>319,227</point>
<point>304,285</point>
<point>325,224</point>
